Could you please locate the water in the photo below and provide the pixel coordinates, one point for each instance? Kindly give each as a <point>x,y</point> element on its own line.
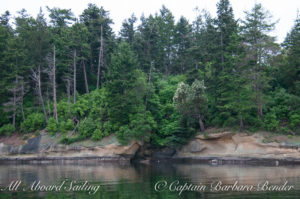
<point>146,181</point>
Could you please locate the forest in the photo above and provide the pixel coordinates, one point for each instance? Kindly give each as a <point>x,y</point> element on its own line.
<point>158,80</point>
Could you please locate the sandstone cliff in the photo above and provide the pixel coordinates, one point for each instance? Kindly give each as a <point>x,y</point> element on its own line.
<point>44,147</point>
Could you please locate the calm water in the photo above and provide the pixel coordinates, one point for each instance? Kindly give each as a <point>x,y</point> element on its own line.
<point>140,181</point>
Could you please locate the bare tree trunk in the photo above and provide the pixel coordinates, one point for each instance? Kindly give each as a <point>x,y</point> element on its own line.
<point>100,61</point>
<point>22,96</point>
<point>48,101</point>
<point>259,91</point>
<point>54,87</point>
<point>149,85</point>
<point>201,123</point>
<point>241,123</point>
<point>68,94</point>
<point>257,77</point>
<point>40,92</point>
<point>91,59</point>
<point>85,78</point>
<point>15,103</point>
<point>74,76</point>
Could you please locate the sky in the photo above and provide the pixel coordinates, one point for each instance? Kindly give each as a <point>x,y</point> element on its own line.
<point>283,10</point>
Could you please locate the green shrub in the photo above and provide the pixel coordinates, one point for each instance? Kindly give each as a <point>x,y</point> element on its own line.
<point>284,130</point>
<point>290,136</point>
<point>52,126</point>
<point>271,122</point>
<point>33,122</point>
<point>66,140</point>
<point>294,120</point>
<point>69,125</point>
<point>107,128</point>
<point>123,133</point>
<point>97,135</point>
<point>62,127</point>
<point>87,127</point>
<point>63,109</point>
<point>81,107</point>
<point>7,129</point>
<point>66,126</point>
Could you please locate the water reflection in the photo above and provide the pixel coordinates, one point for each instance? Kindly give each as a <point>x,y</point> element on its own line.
<point>137,181</point>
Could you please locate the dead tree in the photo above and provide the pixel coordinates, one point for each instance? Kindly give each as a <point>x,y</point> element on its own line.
<point>149,85</point>
<point>67,79</point>
<point>74,76</point>
<point>85,77</point>
<point>36,77</point>
<point>101,58</point>
<point>11,105</point>
<point>48,100</point>
<point>23,91</point>
<point>54,87</point>
<point>52,76</point>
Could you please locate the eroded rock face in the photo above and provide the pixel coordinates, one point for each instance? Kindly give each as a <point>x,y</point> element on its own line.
<point>228,144</point>
<point>42,147</point>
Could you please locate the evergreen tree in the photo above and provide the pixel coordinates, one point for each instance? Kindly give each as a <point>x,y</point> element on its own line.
<point>166,31</point>
<point>182,42</point>
<point>98,22</point>
<point>290,72</point>
<point>260,47</point>
<point>224,65</point>
<point>146,46</point>
<point>128,31</point>
<point>126,89</point>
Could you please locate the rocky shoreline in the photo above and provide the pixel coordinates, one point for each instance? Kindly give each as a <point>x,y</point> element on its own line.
<point>214,149</point>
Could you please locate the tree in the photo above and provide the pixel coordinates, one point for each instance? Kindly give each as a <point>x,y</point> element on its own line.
<point>34,37</point>
<point>226,26</point>
<point>228,53</point>
<point>79,35</point>
<point>126,89</point>
<point>182,42</point>
<point>52,76</point>
<point>101,38</point>
<point>289,73</point>
<point>191,100</point>
<point>260,47</point>
<point>146,45</point>
<point>127,30</point>
<point>166,30</point>
<point>60,17</point>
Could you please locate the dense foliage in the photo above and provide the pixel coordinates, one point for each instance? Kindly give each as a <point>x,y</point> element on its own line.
<point>159,82</point>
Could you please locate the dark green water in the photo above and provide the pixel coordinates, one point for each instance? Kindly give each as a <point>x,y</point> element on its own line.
<point>144,181</point>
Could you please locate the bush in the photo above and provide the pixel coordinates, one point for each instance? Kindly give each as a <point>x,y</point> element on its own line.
<point>123,133</point>
<point>7,129</point>
<point>87,127</point>
<point>294,120</point>
<point>66,126</point>
<point>63,109</point>
<point>97,135</point>
<point>81,107</point>
<point>271,122</point>
<point>52,126</point>
<point>66,140</point>
<point>285,130</point>
<point>69,125</point>
<point>33,122</point>
<point>108,128</point>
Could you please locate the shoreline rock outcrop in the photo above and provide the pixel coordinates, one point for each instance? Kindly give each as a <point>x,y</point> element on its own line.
<point>43,148</point>
<point>217,148</point>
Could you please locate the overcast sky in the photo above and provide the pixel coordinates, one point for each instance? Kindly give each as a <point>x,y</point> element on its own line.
<point>283,10</point>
